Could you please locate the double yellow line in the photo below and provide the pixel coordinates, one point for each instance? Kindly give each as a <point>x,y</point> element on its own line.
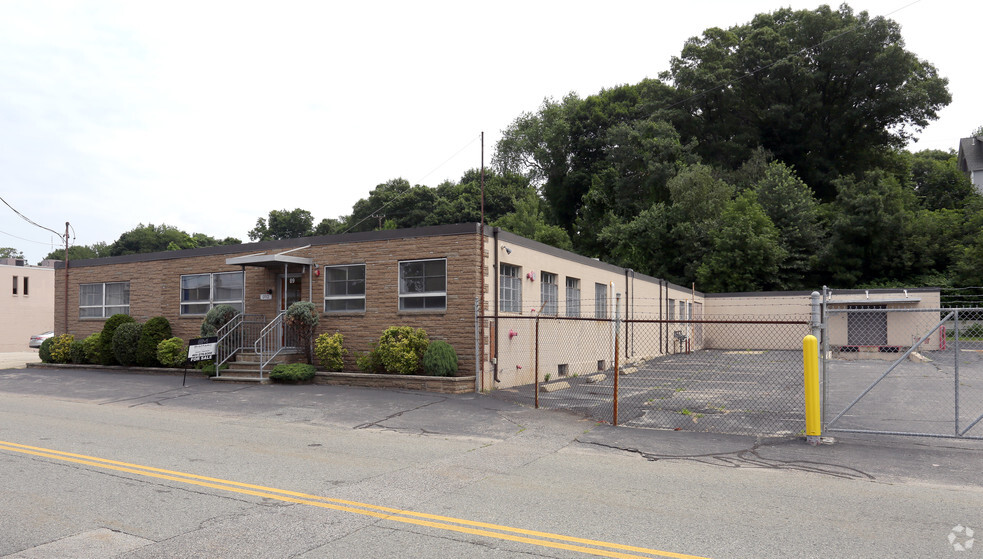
<point>532,537</point>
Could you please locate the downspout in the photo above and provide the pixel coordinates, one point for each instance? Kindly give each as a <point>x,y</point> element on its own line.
<point>627,312</point>
<point>496,296</point>
<point>660,317</point>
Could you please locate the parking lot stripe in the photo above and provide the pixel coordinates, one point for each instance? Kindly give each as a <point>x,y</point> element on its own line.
<point>376,511</point>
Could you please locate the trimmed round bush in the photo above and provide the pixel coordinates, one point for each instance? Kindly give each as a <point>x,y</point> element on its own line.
<point>154,331</point>
<point>440,359</point>
<point>125,340</point>
<point>329,351</point>
<point>76,352</point>
<point>401,348</point>
<point>106,355</point>
<point>61,348</point>
<point>171,352</point>
<point>292,372</point>
<point>216,318</point>
<point>91,346</point>
<point>44,352</point>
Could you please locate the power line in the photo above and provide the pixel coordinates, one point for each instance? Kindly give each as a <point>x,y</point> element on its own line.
<point>375,213</point>
<point>29,220</point>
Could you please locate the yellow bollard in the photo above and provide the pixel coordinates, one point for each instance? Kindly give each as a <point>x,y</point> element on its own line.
<point>810,366</point>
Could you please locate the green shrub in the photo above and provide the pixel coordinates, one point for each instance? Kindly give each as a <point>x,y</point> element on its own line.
<point>44,352</point>
<point>292,372</point>
<point>401,348</point>
<point>91,345</point>
<point>975,330</point>
<point>76,352</point>
<point>106,356</point>
<point>125,340</point>
<point>61,348</point>
<point>440,359</point>
<point>330,351</point>
<point>369,362</point>
<point>216,318</point>
<point>154,331</point>
<point>302,316</point>
<point>208,367</point>
<point>171,352</point>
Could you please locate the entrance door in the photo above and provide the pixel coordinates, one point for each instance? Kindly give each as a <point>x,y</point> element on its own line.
<point>292,285</point>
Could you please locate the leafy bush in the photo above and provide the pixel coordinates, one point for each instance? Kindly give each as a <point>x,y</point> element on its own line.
<point>154,331</point>
<point>106,355</point>
<point>61,348</point>
<point>292,372</point>
<point>125,340</point>
<point>216,318</point>
<point>440,359</point>
<point>369,362</point>
<point>329,351</point>
<point>171,352</point>
<point>401,348</point>
<point>44,352</point>
<point>302,316</point>
<point>91,346</point>
<point>975,330</point>
<point>76,352</point>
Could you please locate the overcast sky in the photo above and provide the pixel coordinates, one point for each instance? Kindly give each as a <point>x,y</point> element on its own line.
<point>207,115</point>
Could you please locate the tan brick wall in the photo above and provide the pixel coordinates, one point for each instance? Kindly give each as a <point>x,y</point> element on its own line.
<point>155,291</point>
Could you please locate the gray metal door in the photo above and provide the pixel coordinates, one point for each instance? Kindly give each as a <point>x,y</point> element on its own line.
<point>867,326</point>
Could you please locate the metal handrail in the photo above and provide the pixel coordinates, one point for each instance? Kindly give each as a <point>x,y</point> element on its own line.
<point>273,339</point>
<point>235,336</point>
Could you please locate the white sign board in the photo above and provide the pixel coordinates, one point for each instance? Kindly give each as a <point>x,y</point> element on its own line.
<point>200,349</point>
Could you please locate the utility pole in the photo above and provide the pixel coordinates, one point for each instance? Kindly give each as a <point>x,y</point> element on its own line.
<point>66,278</point>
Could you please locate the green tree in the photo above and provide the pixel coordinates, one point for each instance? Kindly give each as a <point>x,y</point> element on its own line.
<point>937,180</point>
<point>10,252</point>
<point>527,221</point>
<point>407,206</point>
<point>283,224</point>
<point>790,205</point>
<point>151,238</point>
<point>868,229</point>
<point>746,252</point>
<point>80,252</point>
<point>826,91</point>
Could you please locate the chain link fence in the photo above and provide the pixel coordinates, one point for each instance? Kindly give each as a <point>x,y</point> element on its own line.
<point>904,371</point>
<point>741,376</point>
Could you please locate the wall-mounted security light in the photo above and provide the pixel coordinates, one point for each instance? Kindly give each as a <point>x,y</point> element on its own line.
<point>506,249</point>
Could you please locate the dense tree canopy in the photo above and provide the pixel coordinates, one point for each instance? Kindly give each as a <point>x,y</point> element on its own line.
<point>771,155</point>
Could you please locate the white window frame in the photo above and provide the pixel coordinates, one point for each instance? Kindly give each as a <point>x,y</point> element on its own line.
<point>426,296</point>
<point>573,297</point>
<point>212,302</point>
<point>347,297</point>
<point>510,288</point>
<point>549,293</point>
<point>600,300</point>
<point>102,306</point>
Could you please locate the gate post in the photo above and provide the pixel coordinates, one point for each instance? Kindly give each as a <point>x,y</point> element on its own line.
<point>810,365</point>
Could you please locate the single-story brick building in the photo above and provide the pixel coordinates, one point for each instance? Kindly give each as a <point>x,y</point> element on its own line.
<point>428,277</point>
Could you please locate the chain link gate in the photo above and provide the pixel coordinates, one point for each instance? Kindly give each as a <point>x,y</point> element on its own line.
<point>897,371</point>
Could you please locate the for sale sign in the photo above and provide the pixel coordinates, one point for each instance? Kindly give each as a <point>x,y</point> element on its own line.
<point>201,349</point>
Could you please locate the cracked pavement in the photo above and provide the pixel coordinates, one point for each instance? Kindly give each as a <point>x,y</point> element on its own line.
<point>464,456</point>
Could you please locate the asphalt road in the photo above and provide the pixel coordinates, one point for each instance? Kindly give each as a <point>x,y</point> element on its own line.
<point>99,464</point>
